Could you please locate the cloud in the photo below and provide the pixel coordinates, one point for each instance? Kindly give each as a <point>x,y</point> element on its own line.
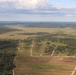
<point>69,15</point>
<point>26,4</point>
<point>41,7</point>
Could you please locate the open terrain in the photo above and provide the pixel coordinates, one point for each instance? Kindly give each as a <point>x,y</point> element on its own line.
<point>35,56</point>
<point>23,32</point>
<point>45,65</point>
<point>35,50</point>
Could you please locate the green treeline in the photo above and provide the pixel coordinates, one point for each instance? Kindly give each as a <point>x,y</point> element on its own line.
<point>8,50</point>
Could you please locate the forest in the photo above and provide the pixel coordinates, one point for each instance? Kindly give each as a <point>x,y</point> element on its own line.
<point>8,50</point>
<point>4,29</point>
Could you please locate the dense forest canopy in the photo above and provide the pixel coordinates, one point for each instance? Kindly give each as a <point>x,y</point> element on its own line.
<point>8,50</point>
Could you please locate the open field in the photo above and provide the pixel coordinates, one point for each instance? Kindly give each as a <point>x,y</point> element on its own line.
<point>42,51</point>
<point>42,65</point>
<point>24,32</point>
<point>45,65</point>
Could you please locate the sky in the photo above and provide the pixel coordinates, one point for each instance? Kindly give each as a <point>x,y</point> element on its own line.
<point>38,10</point>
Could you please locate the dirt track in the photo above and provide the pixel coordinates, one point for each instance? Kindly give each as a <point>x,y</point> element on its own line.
<point>74,71</point>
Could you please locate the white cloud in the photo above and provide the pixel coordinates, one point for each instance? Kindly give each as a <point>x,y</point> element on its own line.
<point>35,7</point>
<point>69,15</point>
<point>27,4</point>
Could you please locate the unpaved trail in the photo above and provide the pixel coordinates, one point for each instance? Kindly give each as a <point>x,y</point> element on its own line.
<point>21,47</point>
<point>54,51</point>
<point>13,72</point>
<point>18,48</point>
<point>31,50</point>
<point>74,71</point>
<point>32,45</point>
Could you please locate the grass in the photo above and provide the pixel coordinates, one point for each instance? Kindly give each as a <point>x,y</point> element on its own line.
<point>39,64</point>
<point>58,44</point>
<point>42,66</point>
<point>75,73</point>
<point>15,34</point>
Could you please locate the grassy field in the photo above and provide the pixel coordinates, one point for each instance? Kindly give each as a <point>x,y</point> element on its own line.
<point>39,63</point>
<point>23,29</point>
<point>43,65</point>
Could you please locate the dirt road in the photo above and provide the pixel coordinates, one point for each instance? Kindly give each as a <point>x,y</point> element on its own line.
<point>74,71</point>
<point>53,51</point>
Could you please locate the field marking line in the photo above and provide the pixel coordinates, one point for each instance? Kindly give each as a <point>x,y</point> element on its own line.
<point>73,71</point>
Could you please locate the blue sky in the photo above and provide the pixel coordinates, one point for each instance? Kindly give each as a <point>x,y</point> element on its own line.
<point>38,10</point>
<point>66,3</point>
